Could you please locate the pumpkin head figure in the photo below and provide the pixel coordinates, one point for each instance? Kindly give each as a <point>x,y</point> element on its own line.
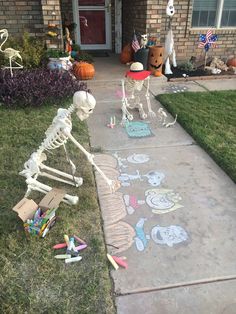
<point>155,60</point>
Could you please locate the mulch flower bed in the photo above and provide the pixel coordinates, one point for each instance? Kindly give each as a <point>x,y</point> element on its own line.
<point>199,74</point>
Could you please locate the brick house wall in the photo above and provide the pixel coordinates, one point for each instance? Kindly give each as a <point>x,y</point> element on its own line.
<point>185,37</point>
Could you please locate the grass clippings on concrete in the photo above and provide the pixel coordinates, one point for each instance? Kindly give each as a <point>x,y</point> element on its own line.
<point>210,118</point>
<point>31,279</point>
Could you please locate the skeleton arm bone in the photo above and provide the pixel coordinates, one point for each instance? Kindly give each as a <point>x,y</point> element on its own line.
<point>112,184</point>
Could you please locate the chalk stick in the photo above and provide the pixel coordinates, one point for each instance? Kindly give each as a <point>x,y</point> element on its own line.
<point>112,261</point>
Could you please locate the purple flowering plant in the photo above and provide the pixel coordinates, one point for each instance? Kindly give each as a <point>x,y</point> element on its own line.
<point>36,87</point>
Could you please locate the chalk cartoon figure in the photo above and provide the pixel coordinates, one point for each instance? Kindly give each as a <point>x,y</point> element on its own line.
<point>154,178</point>
<point>169,235</point>
<point>132,203</point>
<point>162,200</point>
<point>141,239</point>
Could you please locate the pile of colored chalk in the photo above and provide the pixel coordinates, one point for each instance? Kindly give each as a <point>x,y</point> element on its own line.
<point>72,251</point>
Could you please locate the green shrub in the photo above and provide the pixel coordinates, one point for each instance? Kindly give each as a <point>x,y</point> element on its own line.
<point>187,66</point>
<point>84,56</point>
<point>31,49</point>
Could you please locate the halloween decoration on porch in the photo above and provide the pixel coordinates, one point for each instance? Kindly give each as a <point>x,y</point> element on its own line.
<point>133,84</point>
<point>143,41</point>
<point>155,60</point>
<point>68,41</point>
<point>207,41</point>
<point>10,53</point>
<point>231,62</point>
<point>169,42</point>
<point>126,55</point>
<point>58,133</point>
<point>83,70</point>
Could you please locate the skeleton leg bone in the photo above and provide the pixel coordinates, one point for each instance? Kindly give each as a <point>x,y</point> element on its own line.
<point>77,181</point>
<point>151,113</point>
<point>43,188</point>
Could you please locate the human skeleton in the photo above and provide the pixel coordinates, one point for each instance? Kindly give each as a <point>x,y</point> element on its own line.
<point>132,101</point>
<point>58,133</point>
<point>169,43</point>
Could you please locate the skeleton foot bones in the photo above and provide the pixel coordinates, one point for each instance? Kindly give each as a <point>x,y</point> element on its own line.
<point>58,133</point>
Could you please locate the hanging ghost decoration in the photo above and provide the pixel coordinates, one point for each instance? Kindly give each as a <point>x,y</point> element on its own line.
<point>169,43</point>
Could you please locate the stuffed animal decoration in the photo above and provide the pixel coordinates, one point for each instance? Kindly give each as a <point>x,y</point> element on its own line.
<point>155,60</point>
<point>169,43</point>
<point>133,84</point>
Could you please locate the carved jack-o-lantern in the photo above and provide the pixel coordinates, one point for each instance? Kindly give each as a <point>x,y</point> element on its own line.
<point>155,59</point>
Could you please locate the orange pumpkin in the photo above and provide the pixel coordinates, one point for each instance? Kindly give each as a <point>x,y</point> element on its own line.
<point>126,54</point>
<point>157,73</point>
<point>231,62</point>
<point>83,70</point>
<point>155,59</point>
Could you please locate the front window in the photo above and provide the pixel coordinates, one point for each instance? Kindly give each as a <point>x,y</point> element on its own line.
<point>214,13</point>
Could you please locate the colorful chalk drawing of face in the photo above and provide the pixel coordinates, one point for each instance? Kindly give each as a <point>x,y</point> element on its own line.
<point>169,235</point>
<point>141,239</point>
<point>138,129</point>
<point>162,200</point>
<point>155,177</point>
<point>138,158</point>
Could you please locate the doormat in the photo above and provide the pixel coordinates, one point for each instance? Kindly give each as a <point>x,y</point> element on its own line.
<point>98,53</point>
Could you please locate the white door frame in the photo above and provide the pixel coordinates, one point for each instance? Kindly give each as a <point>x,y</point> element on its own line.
<point>118,26</point>
<point>107,7</point>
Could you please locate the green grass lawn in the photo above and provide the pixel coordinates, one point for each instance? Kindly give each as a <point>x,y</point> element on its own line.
<point>31,279</point>
<point>210,118</point>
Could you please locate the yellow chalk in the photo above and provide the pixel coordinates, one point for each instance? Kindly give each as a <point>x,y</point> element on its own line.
<point>66,238</point>
<point>114,264</point>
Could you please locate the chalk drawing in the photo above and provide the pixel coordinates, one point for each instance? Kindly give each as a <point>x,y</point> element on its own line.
<point>141,239</point>
<point>162,200</point>
<point>132,203</point>
<point>169,235</point>
<point>138,129</point>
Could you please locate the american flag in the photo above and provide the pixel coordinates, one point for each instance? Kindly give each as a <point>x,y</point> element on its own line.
<point>207,41</point>
<point>135,44</point>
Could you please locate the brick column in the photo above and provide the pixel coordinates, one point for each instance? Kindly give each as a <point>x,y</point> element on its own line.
<point>51,11</point>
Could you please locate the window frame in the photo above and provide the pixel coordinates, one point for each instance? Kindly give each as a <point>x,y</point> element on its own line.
<point>219,12</point>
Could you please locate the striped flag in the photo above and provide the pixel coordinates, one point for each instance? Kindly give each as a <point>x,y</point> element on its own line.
<point>135,44</point>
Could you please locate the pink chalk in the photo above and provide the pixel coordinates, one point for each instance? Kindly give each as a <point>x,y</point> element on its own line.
<point>59,246</point>
<point>120,262</point>
<point>79,240</point>
<point>80,247</point>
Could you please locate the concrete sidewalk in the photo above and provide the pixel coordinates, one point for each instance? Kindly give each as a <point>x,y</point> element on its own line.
<point>174,217</point>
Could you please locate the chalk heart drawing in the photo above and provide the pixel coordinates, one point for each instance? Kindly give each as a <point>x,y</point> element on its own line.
<point>141,239</point>
<point>138,158</point>
<point>169,235</point>
<point>162,200</point>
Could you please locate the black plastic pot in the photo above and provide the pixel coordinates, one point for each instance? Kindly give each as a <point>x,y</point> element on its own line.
<point>142,56</point>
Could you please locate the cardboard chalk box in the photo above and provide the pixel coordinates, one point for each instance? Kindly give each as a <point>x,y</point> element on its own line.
<point>39,218</point>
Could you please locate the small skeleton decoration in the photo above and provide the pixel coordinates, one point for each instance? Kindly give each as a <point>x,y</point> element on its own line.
<point>134,83</point>
<point>169,43</point>
<point>58,133</point>
<point>162,118</point>
<point>143,41</point>
<point>10,53</point>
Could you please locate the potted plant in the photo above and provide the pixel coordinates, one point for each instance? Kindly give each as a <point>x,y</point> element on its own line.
<point>75,50</point>
<point>58,59</point>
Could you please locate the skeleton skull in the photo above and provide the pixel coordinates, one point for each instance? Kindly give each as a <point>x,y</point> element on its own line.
<point>84,104</point>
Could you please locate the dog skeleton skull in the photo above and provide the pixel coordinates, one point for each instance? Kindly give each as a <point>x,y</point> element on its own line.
<point>58,133</point>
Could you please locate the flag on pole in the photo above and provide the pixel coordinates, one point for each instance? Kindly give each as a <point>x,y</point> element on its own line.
<point>135,44</point>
